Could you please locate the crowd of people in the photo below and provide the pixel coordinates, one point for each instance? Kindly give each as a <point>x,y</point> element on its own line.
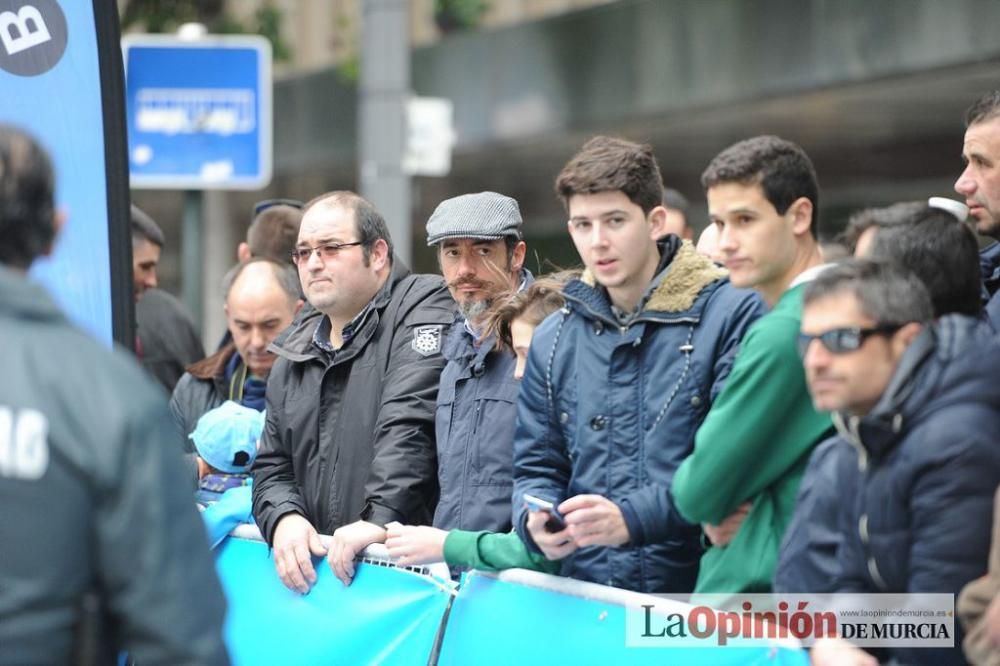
<point>758,412</point>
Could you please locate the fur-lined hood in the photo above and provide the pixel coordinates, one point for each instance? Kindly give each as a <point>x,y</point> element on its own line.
<point>682,277</point>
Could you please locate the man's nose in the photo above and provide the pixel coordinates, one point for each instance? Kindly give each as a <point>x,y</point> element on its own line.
<point>966,184</point>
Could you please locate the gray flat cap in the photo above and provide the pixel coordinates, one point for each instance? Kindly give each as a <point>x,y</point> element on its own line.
<point>483,216</point>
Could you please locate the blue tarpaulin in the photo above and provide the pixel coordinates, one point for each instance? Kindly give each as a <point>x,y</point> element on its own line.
<point>386,616</point>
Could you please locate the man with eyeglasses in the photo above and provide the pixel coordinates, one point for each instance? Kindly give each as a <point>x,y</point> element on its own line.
<point>919,405</point>
<point>348,445</point>
<point>742,479</point>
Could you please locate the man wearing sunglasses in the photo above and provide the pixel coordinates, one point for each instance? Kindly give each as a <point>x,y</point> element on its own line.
<point>742,479</point>
<point>919,405</point>
<point>348,445</point>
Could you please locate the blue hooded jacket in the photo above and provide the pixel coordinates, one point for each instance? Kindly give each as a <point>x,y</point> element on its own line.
<point>611,409</point>
<point>917,504</point>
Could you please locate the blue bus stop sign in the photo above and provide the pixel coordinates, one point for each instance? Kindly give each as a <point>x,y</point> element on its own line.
<point>199,111</point>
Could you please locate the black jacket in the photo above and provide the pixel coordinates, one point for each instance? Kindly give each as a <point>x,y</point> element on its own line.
<point>917,499</point>
<point>168,336</point>
<point>94,501</point>
<point>201,389</point>
<point>351,436</point>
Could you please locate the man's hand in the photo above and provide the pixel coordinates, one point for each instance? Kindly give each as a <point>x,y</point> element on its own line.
<point>347,542</point>
<point>295,542</point>
<point>594,520</point>
<point>838,652</point>
<point>720,535</point>
<point>413,545</point>
<point>554,545</point>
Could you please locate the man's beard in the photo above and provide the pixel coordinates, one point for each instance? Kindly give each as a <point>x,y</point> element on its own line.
<point>473,310</point>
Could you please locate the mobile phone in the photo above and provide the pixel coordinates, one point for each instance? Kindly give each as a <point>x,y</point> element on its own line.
<point>555,523</point>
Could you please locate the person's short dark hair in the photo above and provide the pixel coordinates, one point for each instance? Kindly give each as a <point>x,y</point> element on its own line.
<point>886,293</point>
<point>942,252</point>
<point>370,224</point>
<point>674,199</point>
<point>781,168</point>
<point>986,107</point>
<point>284,275</point>
<point>27,199</point>
<point>144,228</point>
<point>881,217</point>
<point>607,164</point>
<point>274,232</point>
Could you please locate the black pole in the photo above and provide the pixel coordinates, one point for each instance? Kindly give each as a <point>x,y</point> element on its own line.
<point>109,54</point>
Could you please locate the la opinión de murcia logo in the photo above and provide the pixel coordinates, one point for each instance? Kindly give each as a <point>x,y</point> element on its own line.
<point>33,36</point>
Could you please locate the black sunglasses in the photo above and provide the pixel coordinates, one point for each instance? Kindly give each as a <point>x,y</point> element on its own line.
<point>845,340</point>
<point>327,251</point>
<point>261,206</point>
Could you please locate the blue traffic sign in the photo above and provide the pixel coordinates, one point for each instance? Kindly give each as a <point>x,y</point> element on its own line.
<point>199,111</point>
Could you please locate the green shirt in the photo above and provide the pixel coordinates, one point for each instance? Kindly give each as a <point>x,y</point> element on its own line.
<point>493,551</point>
<point>754,445</point>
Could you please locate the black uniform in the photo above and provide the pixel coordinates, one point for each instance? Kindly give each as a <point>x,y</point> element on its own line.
<point>95,504</point>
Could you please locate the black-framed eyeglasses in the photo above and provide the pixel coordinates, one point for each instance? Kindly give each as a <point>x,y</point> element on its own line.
<point>261,206</point>
<point>845,340</point>
<point>327,251</point>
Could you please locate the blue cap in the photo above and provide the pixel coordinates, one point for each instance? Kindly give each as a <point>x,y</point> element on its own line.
<point>226,437</point>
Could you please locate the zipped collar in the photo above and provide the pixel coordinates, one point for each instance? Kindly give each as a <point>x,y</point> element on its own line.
<point>923,382</point>
<point>295,343</point>
<point>677,293</point>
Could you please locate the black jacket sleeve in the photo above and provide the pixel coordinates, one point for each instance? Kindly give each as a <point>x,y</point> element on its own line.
<point>402,484</point>
<point>275,491</point>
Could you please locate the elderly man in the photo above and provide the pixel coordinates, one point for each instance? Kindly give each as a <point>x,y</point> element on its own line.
<point>262,298</point>
<point>481,254</point>
<point>349,441</point>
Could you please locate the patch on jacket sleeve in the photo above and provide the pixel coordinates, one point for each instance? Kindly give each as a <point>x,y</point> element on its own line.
<point>427,340</point>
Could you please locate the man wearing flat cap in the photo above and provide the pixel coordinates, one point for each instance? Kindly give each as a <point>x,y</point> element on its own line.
<point>478,239</point>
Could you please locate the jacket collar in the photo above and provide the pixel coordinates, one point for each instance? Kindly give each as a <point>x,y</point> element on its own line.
<point>295,343</point>
<point>214,366</point>
<point>921,384</point>
<point>682,277</point>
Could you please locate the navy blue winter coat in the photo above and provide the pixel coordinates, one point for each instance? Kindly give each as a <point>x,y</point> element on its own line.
<point>477,398</point>
<point>917,504</point>
<point>612,409</point>
<point>989,265</point>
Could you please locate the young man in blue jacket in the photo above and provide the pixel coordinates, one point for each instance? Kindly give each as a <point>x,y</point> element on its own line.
<point>618,382</point>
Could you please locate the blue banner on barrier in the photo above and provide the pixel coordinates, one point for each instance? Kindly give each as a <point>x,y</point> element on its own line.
<point>50,77</point>
<point>386,616</point>
<point>501,622</point>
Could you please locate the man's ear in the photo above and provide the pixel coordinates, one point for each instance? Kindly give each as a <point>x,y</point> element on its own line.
<point>517,257</point>
<point>657,219</point>
<point>243,253</point>
<point>58,222</point>
<point>801,212</point>
<point>380,254</point>
<point>903,337</point>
